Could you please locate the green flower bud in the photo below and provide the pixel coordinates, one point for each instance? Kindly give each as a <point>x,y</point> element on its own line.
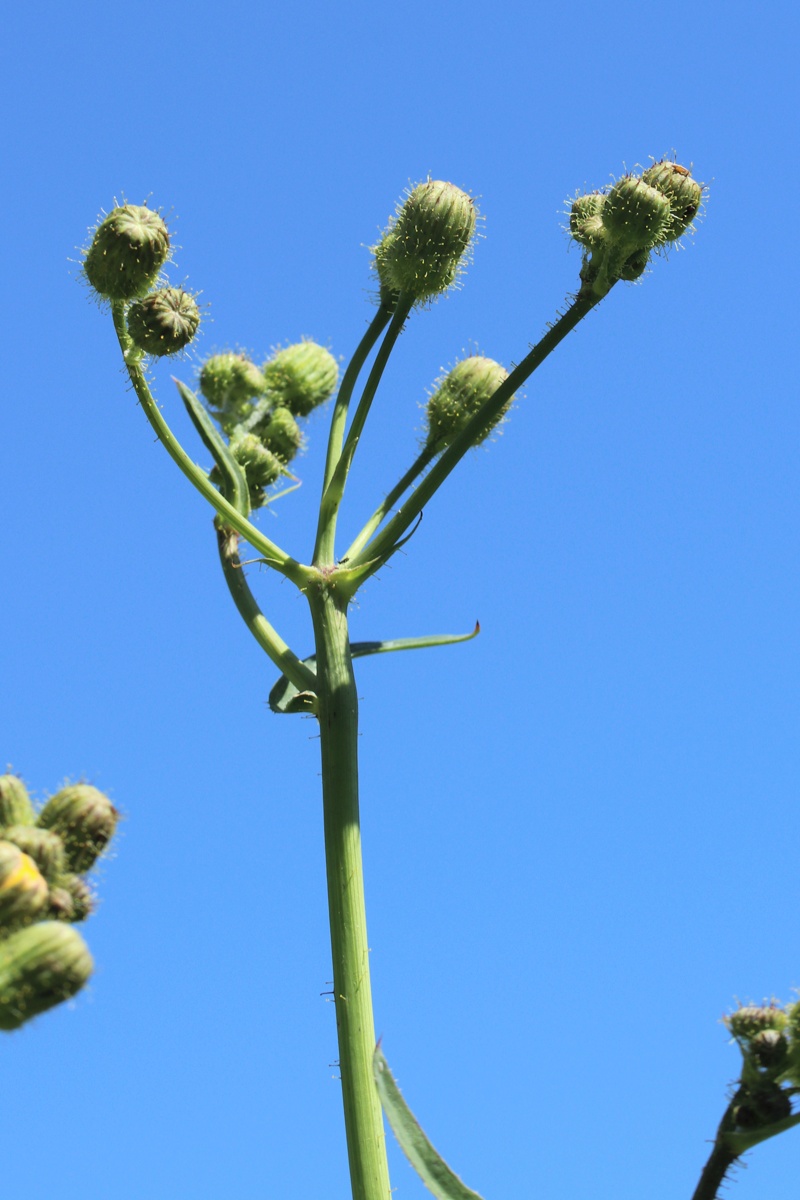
<point>260,465</point>
<point>164,321</point>
<point>23,890</point>
<point>230,383</point>
<point>769,1048</point>
<point>44,847</point>
<point>85,821</point>
<point>301,377</point>
<point>634,266</point>
<point>457,398</point>
<point>281,434</point>
<point>763,1106</point>
<point>751,1019</point>
<point>684,194</point>
<point>40,967</point>
<point>128,250</point>
<point>585,219</point>
<point>71,899</point>
<point>15,804</point>
<point>421,251</point>
<point>636,215</point>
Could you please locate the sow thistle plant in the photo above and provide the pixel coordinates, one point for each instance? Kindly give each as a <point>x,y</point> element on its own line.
<point>250,417</point>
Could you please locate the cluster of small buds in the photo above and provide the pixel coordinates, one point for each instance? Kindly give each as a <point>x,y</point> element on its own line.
<point>258,408</point>
<point>421,252</point>
<point>769,1039</point>
<point>43,860</point>
<point>620,228</point>
<point>123,263</point>
<point>458,396</point>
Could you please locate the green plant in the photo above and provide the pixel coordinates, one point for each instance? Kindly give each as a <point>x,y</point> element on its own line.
<point>249,422</point>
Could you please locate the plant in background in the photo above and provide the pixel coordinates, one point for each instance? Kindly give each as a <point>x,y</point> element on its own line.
<point>44,859</point>
<point>249,418</point>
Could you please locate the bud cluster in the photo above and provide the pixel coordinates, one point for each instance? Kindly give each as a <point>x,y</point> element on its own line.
<point>769,1039</point>
<point>619,228</point>
<point>43,860</point>
<point>123,263</point>
<point>259,408</point>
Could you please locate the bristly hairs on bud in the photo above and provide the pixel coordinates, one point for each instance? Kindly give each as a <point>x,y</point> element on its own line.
<point>129,247</point>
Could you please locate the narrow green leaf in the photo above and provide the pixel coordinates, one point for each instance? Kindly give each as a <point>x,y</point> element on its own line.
<point>430,1166</point>
<point>285,698</point>
<point>234,481</point>
<point>739,1143</point>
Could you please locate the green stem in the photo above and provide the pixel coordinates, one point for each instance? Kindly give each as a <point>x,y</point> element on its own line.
<point>338,723</point>
<point>417,467</point>
<point>377,550</point>
<point>276,557</point>
<point>720,1160</point>
<point>267,637</point>
<point>332,495</point>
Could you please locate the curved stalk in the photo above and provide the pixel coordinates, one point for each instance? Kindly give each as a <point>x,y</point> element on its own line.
<point>338,723</point>
<point>425,457</point>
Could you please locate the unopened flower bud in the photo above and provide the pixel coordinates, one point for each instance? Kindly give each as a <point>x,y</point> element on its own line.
<point>261,466</point>
<point>71,899</point>
<point>301,377</point>
<point>585,219</point>
<point>459,395</point>
<point>85,821</point>
<point>40,967</point>
<point>230,383</point>
<point>164,321</point>
<point>769,1048</point>
<point>420,253</point>
<point>751,1019</point>
<point>281,434</point>
<point>684,194</point>
<point>636,215</point>
<point>43,845</point>
<point>128,250</point>
<point>634,266</point>
<point>15,803</point>
<point>23,890</point>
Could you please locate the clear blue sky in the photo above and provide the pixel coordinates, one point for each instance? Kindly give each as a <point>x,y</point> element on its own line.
<point>581,829</point>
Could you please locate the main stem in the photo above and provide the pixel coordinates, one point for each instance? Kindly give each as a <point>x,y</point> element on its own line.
<point>338,723</point>
<point>720,1160</point>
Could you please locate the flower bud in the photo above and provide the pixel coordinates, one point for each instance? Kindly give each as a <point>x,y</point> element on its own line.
<point>585,219</point>
<point>457,398</point>
<point>751,1019</point>
<point>301,377</point>
<point>15,804</point>
<point>684,194</point>
<point>769,1048</point>
<point>128,250</point>
<point>71,899</point>
<point>164,321</point>
<point>230,383</point>
<point>44,847</point>
<point>23,891</point>
<point>420,253</point>
<point>85,821</point>
<point>636,215</point>
<point>281,434</point>
<point>39,967</point>
<point>634,266</point>
<point>260,465</point>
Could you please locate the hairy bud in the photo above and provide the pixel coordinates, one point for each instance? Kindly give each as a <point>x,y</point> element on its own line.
<point>40,967</point>
<point>23,890</point>
<point>44,847</point>
<point>164,321</point>
<point>229,384</point>
<point>751,1019</point>
<point>421,251</point>
<point>281,434</point>
<point>15,803</point>
<point>636,215</point>
<point>71,899</point>
<point>85,821</point>
<point>683,193</point>
<point>458,396</point>
<point>301,377</point>
<point>128,250</point>
<point>586,220</point>
<point>261,467</point>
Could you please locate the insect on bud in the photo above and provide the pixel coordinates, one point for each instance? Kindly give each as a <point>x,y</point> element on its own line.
<point>85,821</point>
<point>40,967</point>
<point>301,377</point>
<point>420,253</point>
<point>15,804</point>
<point>229,384</point>
<point>23,891</point>
<point>636,215</point>
<point>684,194</point>
<point>163,322</point>
<point>458,396</point>
<point>128,250</point>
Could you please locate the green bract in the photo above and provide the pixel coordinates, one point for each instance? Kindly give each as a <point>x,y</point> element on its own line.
<point>163,322</point>
<point>128,250</point>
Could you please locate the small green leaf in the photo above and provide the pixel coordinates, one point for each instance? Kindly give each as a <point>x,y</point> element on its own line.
<point>285,697</point>
<point>234,481</point>
<point>431,1168</point>
<point>740,1143</point>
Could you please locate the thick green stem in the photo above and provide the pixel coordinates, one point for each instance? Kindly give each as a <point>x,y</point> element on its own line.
<point>720,1160</point>
<point>338,722</point>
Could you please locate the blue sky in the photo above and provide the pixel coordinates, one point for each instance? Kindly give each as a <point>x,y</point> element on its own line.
<point>580,829</point>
